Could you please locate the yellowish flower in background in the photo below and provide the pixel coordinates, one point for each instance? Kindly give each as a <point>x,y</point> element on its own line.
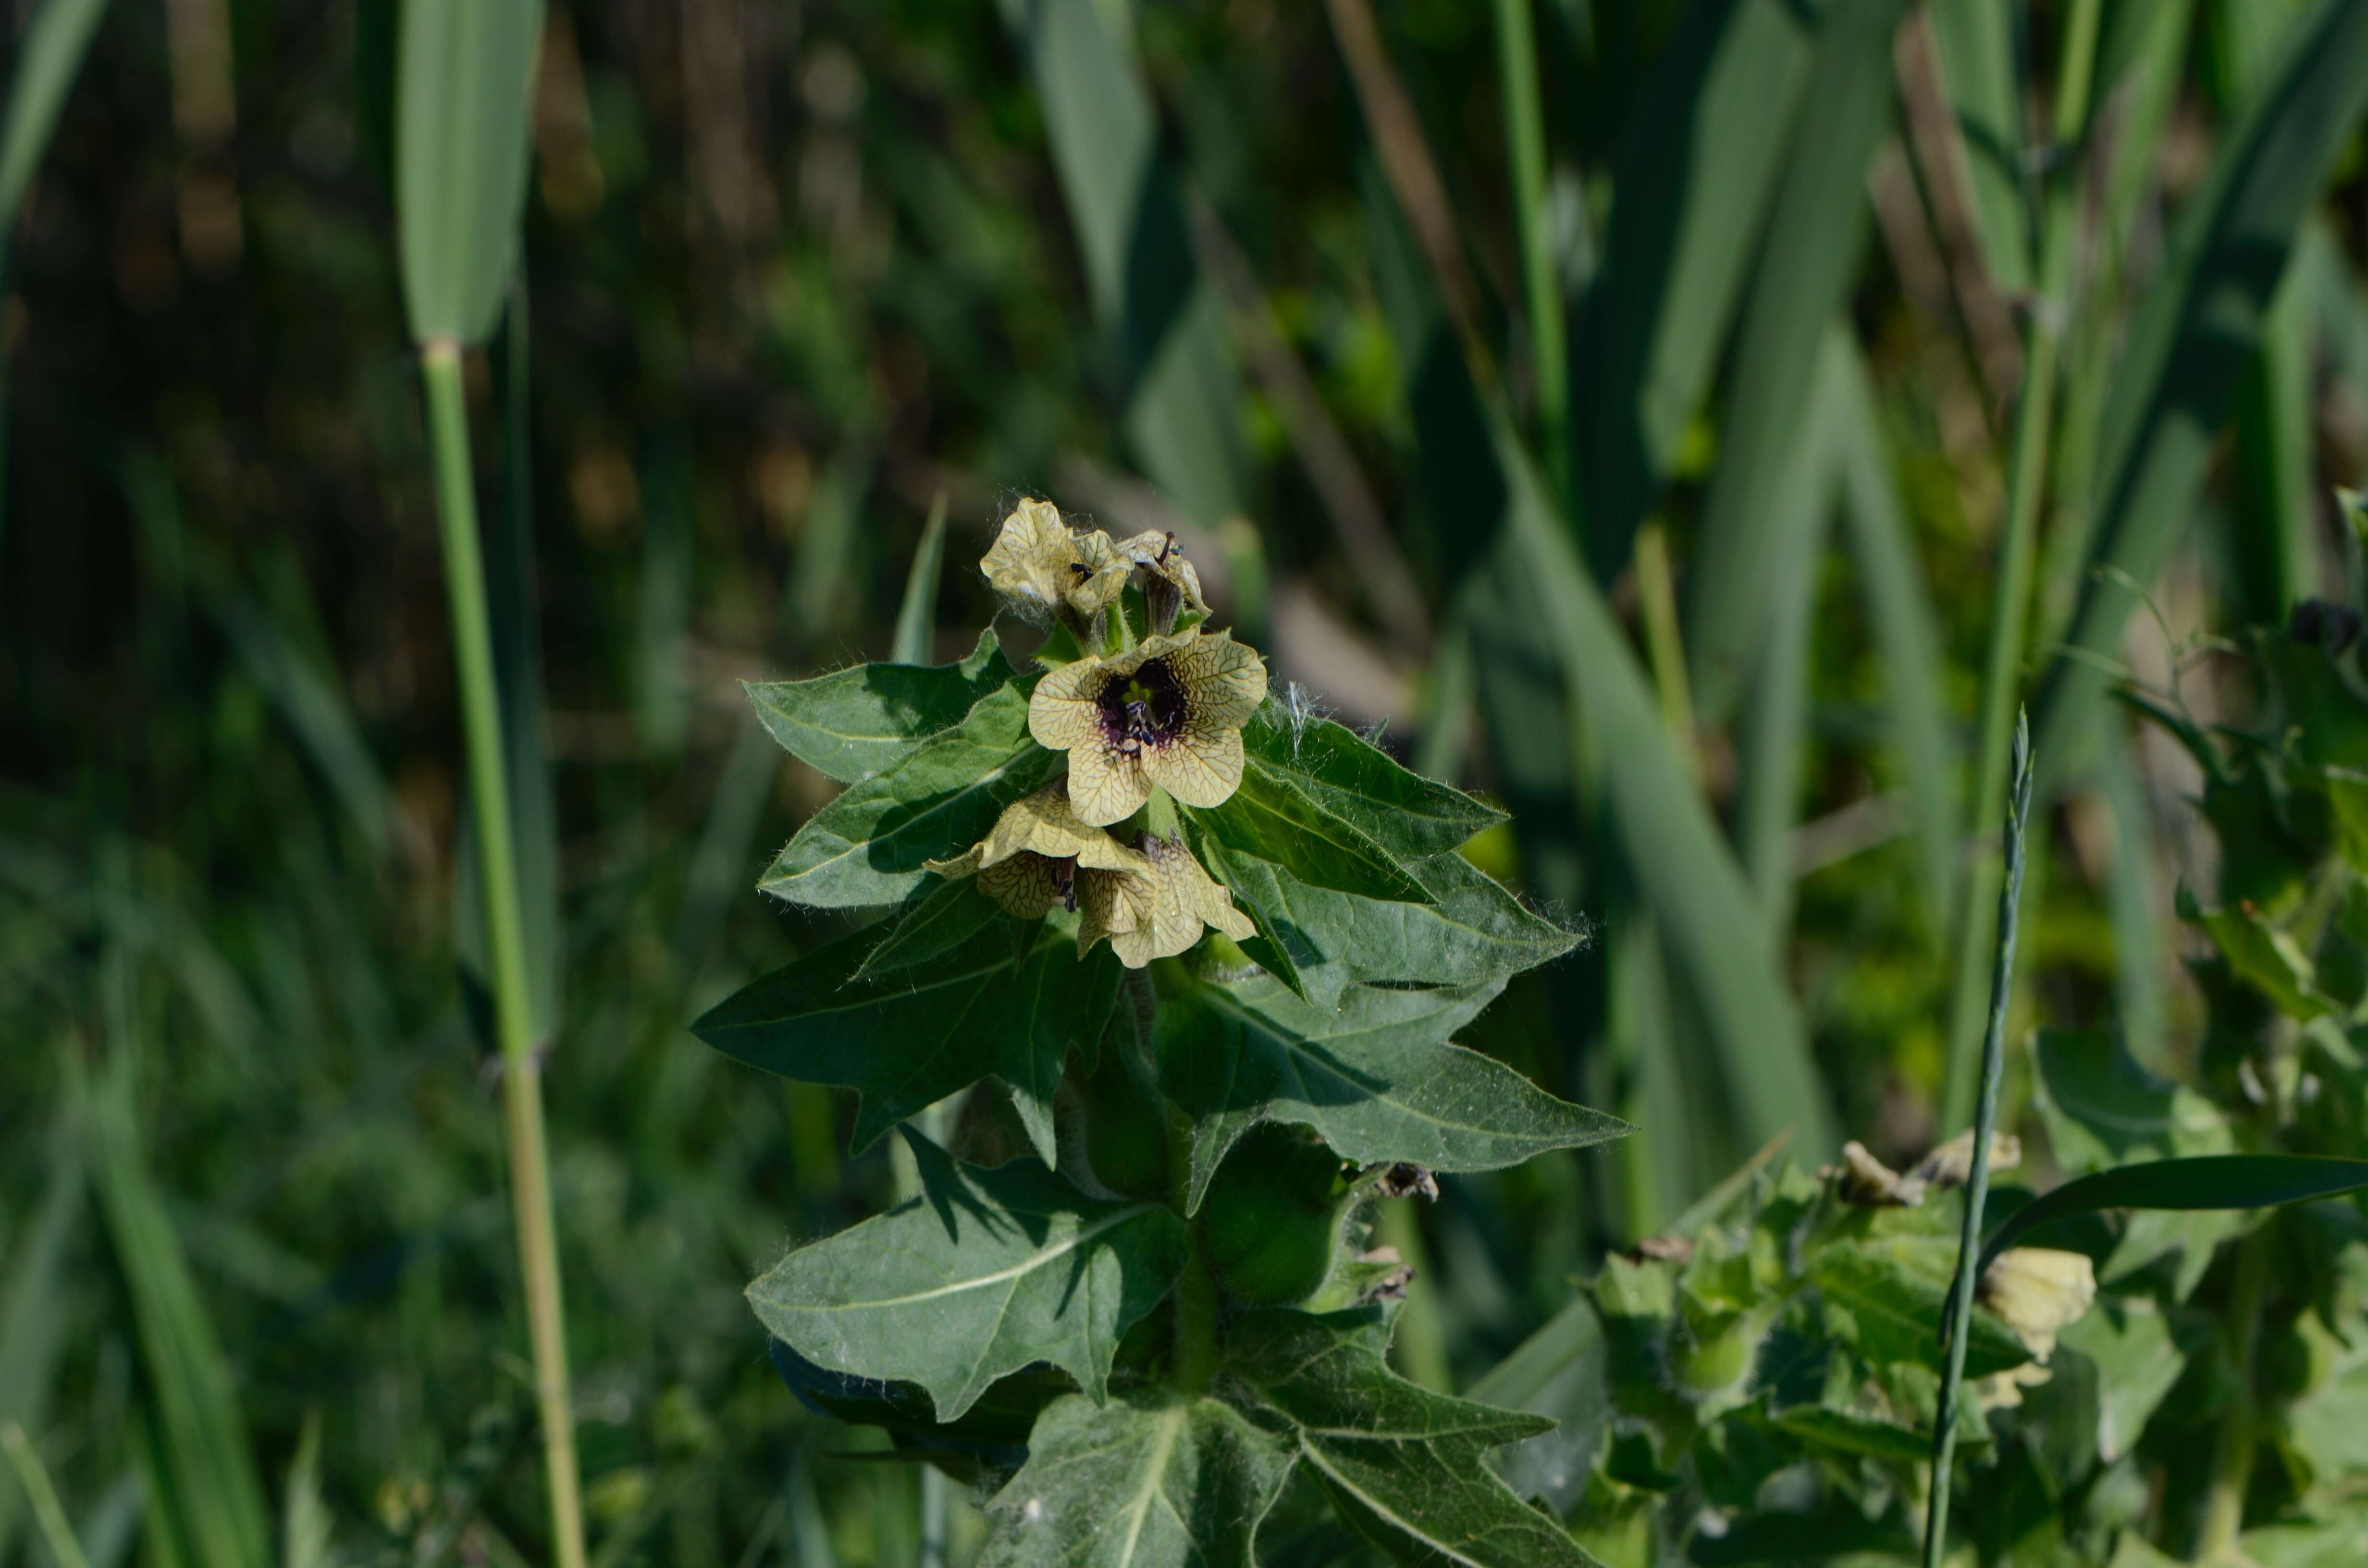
<point>2040,1292</point>
<point>1168,711</point>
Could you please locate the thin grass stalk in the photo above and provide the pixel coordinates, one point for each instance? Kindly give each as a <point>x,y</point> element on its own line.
<point>56,1530</point>
<point>1977,1183</point>
<point>2002,678</point>
<point>464,581</point>
<point>1525,139</point>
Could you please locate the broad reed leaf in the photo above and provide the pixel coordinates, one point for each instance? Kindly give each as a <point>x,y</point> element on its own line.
<point>1805,266</point>
<point>464,90</point>
<point>1907,634</point>
<point>49,57</point>
<point>864,719</point>
<point>867,846</point>
<point>1697,173</point>
<point>2203,1181</point>
<point>984,1273</point>
<point>989,1007</point>
<point>1376,1078</point>
<point>1180,393</point>
<point>1976,42</point>
<point>2194,334</point>
<point>1672,849</point>
<point>1142,1482</point>
<point>1404,1464</point>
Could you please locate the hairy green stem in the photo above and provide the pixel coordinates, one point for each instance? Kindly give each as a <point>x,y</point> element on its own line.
<point>1525,138</point>
<point>1977,1183</point>
<point>1196,1289</point>
<point>447,430</point>
<point>2239,1434</point>
<point>2010,621</point>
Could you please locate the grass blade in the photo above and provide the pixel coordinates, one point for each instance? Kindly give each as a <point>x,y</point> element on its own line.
<point>917,615</point>
<point>2027,489</point>
<point>1978,1184</point>
<point>1182,392</point>
<point>34,1315</point>
<point>1525,139</point>
<point>1697,171</point>
<point>209,1498</point>
<point>1806,263</point>
<point>57,1533</point>
<point>464,81</point>
<point>2189,344</point>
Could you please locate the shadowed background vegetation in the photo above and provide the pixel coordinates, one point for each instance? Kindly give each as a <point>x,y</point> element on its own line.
<point>1693,425</point>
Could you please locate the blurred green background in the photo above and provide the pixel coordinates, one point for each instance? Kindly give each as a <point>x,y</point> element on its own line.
<point>1849,293</point>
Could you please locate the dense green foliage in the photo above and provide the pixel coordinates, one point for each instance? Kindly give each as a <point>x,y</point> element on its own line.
<point>1687,428</point>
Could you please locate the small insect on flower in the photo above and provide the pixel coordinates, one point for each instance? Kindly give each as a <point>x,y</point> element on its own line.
<point>1168,711</point>
<point>2039,1291</point>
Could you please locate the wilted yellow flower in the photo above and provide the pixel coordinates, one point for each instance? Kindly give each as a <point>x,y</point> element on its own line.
<point>1037,856</point>
<point>2003,1390</point>
<point>1032,558</point>
<point>1951,1164</point>
<point>1160,914</point>
<point>1168,711</point>
<point>1151,901</point>
<point>1169,582</point>
<point>2039,1291</point>
<point>1863,1180</point>
<point>1040,565</point>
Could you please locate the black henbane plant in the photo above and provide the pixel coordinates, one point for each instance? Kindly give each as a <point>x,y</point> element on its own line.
<point>1213,954</point>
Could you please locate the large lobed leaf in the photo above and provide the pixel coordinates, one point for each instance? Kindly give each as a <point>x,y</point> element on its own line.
<point>990,1007</point>
<point>1376,1079</point>
<point>867,846</point>
<point>1410,816</point>
<point>984,1274</point>
<point>1320,941</point>
<point>1401,1463</point>
<point>1138,1482</point>
<point>854,722</point>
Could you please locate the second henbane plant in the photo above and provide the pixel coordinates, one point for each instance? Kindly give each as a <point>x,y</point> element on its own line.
<point>1203,958</point>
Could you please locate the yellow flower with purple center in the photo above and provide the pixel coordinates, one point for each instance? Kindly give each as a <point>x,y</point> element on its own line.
<point>1168,712</point>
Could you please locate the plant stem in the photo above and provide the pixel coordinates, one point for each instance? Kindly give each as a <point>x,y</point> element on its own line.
<point>1525,138</point>
<point>1977,1183</point>
<point>2232,1462</point>
<point>2027,486</point>
<point>1196,1291</point>
<point>447,430</point>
